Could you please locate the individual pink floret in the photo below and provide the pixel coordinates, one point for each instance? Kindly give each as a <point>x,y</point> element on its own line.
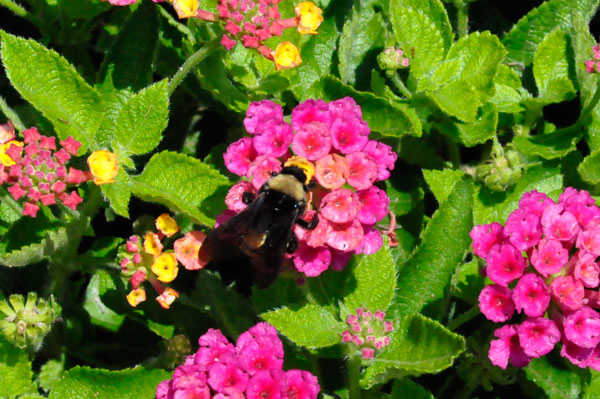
<point>227,377</point>
<point>262,169</point>
<point>531,295</point>
<point>523,229</point>
<point>383,155</point>
<point>300,384</point>
<point>374,205</point>
<point>239,156</point>
<point>538,336</point>
<point>535,202</point>
<point>507,348</point>
<point>311,141</point>
<point>311,111</point>
<point>568,292</point>
<point>312,261</point>
<point>583,327</point>
<point>371,242</point>
<point>495,303</point>
<point>589,241</point>
<point>363,170</point>
<point>575,354</point>
<point>233,199</point>
<point>70,145</point>
<point>588,216</point>
<point>558,223</point>
<point>484,237</point>
<point>340,206</point>
<point>504,264</point>
<point>264,384</point>
<point>331,171</point>
<point>349,135</point>
<point>549,257</point>
<point>260,111</point>
<point>345,236</point>
<point>572,196</point>
<point>314,238</point>
<point>273,138</point>
<point>344,108</point>
<point>587,270</point>
<point>339,259</point>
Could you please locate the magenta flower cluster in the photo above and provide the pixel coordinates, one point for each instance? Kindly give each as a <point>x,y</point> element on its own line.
<point>252,369</point>
<point>334,137</point>
<point>368,331</point>
<point>37,171</point>
<point>543,263</point>
<point>593,65</point>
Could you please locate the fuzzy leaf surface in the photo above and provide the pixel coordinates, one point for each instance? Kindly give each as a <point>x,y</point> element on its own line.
<point>442,182</point>
<point>100,314</point>
<point>310,325</point>
<point>15,372</point>
<point>479,131</point>
<point>551,68</point>
<point>419,345</point>
<point>427,273</point>
<point>556,383</point>
<point>47,80</point>
<point>182,183</point>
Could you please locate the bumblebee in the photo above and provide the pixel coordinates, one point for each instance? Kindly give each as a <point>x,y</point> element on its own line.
<point>251,246</point>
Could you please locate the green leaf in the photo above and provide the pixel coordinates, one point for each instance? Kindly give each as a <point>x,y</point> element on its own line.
<point>556,383</point>
<point>446,239</point>
<point>471,134</point>
<point>35,248</point>
<point>435,11</point>
<point>85,382</point>
<point>362,32</point>
<point>551,68</point>
<point>375,277</point>
<point>317,55</point>
<point>383,116</point>
<point>231,310</point>
<point>589,169</point>
<point>442,182</point>
<point>182,183</point>
<point>100,284</point>
<point>50,373</point>
<point>419,345</point>
<point>469,70</point>
<point>15,372</point>
<point>508,91</point>
<point>416,31</point>
<point>119,193</point>
<point>406,388</point>
<point>552,145</point>
<point>128,63</point>
<point>311,325</point>
<point>142,120</point>
<point>524,37</point>
<point>495,207</point>
<point>592,389</point>
<point>51,84</point>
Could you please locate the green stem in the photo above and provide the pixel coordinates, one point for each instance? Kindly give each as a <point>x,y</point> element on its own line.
<point>353,365</point>
<point>17,9</point>
<point>10,114</point>
<point>589,108</point>
<point>191,63</point>
<point>399,84</point>
<point>462,16</point>
<point>463,318</point>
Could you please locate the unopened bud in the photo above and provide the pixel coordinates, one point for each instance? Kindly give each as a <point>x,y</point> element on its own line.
<point>392,58</point>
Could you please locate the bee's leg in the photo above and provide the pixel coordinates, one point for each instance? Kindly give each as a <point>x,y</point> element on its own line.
<point>309,225</point>
<point>247,197</point>
<point>292,245</point>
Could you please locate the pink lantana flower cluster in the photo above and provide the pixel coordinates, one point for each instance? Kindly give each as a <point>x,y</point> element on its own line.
<point>252,369</point>
<point>368,331</point>
<point>334,139</point>
<point>543,263</point>
<point>35,172</point>
<point>593,65</point>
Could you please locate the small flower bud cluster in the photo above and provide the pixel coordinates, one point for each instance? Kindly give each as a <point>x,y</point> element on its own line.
<point>368,331</point>
<point>252,369</point>
<point>251,23</point>
<point>392,58</point>
<point>25,323</point>
<point>503,170</point>
<point>35,172</point>
<point>544,264</point>
<point>593,65</point>
<point>332,141</point>
<point>145,259</point>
